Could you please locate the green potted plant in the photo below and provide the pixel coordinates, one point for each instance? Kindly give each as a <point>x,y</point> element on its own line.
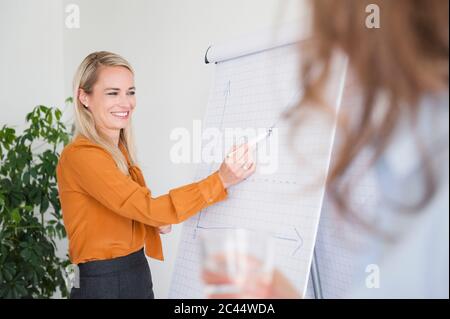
<point>30,211</point>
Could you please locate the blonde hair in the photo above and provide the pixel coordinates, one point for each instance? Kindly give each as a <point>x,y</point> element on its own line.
<point>85,78</point>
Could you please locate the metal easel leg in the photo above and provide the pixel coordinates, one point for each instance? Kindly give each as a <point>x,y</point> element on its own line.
<point>315,277</point>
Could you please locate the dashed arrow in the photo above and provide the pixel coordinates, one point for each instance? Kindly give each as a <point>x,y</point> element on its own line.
<point>298,238</point>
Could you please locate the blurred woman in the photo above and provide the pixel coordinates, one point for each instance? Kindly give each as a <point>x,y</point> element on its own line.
<point>401,73</point>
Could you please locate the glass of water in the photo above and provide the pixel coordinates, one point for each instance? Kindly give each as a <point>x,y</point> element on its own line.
<point>235,261</point>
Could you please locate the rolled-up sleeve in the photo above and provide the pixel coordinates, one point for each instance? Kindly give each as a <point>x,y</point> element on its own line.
<point>96,173</point>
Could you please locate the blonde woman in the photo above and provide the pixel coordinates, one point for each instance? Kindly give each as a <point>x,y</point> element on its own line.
<point>108,211</point>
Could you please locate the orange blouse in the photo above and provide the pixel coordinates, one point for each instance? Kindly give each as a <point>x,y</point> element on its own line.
<point>108,214</point>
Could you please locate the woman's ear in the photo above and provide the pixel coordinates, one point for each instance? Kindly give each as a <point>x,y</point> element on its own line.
<point>83,96</point>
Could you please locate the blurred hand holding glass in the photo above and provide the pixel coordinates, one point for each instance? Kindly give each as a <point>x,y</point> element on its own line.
<point>237,263</point>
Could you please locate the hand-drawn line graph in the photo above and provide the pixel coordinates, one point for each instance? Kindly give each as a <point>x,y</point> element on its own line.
<point>292,100</point>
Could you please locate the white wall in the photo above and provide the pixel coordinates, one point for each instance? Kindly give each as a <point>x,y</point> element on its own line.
<point>31,59</point>
<point>165,41</point>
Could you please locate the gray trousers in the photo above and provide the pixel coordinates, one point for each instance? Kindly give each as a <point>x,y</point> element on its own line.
<point>125,277</point>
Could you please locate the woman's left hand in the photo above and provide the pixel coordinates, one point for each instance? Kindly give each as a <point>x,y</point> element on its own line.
<point>165,229</point>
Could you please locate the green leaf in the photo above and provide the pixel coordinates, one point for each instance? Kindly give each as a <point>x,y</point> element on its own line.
<point>33,172</point>
<point>49,117</point>
<point>58,114</point>
<point>9,293</point>
<point>26,254</point>
<point>29,116</point>
<point>26,177</point>
<point>8,274</point>
<point>44,204</point>
<point>15,215</point>
<point>21,291</point>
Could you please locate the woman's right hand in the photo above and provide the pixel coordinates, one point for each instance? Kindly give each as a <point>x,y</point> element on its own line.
<point>237,165</point>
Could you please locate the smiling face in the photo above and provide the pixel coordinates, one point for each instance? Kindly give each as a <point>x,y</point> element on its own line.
<point>112,100</point>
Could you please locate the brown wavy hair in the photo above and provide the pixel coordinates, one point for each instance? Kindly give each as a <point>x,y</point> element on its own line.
<point>405,59</point>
